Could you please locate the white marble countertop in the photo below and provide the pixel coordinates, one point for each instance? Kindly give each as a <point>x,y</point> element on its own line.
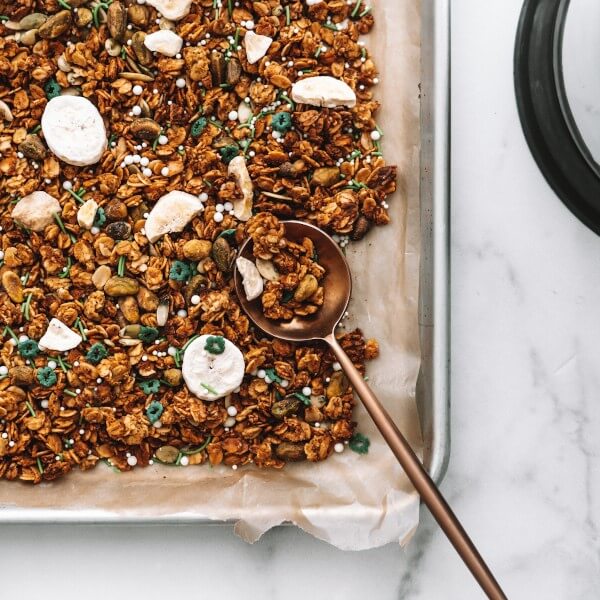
<point>525,468</point>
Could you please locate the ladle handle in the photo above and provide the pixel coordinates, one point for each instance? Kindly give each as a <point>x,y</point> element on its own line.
<point>415,471</point>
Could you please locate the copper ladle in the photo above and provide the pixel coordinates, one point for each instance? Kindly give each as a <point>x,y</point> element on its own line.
<point>321,326</point>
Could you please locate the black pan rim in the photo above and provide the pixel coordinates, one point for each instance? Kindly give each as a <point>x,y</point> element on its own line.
<point>548,124</point>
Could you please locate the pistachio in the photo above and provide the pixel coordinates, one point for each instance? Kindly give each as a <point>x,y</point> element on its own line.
<point>291,170</point>
<point>33,147</point>
<point>306,288</point>
<point>129,308</point>
<point>267,269</point>
<point>29,38</point>
<point>101,276</point>
<point>286,407</point>
<point>162,311</point>
<point>116,210</point>
<point>113,47</point>
<point>13,286</point>
<point>337,385</point>
<point>116,20</point>
<point>218,68</point>
<point>197,249</point>
<point>195,286</point>
<point>234,71</point>
<point>223,255</point>
<point>167,454</point>
<point>360,229</point>
<point>21,375</point>
<point>32,21</point>
<point>325,176</point>
<point>172,376</point>
<point>147,300</point>
<point>56,25</point>
<point>84,17</point>
<point>143,55</point>
<point>130,331</point>
<point>290,452</point>
<point>145,129</point>
<point>5,112</point>
<point>119,230</point>
<point>121,286</point>
<point>138,14</point>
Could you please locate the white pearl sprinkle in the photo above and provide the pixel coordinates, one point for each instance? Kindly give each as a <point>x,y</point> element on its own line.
<point>306,391</point>
<point>52,364</point>
<point>95,230</point>
<point>132,461</point>
<point>144,358</point>
<point>228,206</point>
<point>233,115</point>
<point>44,403</point>
<point>144,161</point>
<point>180,83</point>
<point>234,467</point>
<point>147,172</point>
<point>375,135</point>
<point>232,411</point>
<point>185,461</point>
<point>67,185</point>
<point>195,299</point>
<point>172,351</point>
<point>203,197</point>
<point>82,432</point>
<point>163,139</point>
<point>137,90</point>
<point>284,383</point>
<point>218,217</point>
<point>182,312</point>
<point>261,373</point>
<point>4,435</point>
<point>164,171</point>
<point>219,208</point>
<point>3,370</point>
<point>339,447</point>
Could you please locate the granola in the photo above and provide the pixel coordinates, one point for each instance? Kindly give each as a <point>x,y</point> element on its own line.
<point>104,289</point>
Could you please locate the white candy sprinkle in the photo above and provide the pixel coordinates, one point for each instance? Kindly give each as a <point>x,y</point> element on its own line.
<point>228,206</point>
<point>234,467</point>
<point>128,160</point>
<point>44,403</point>
<point>95,230</point>
<point>157,424</point>
<point>261,373</point>
<point>164,171</point>
<point>317,424</point>
<point>218,217</point>
<point>144,161</point>
<point>233,115</point>
<point>137,90</point>
<point>375,135</point>
<point>376,80</point>
<point>131,461</point>
<point>3,370</point>
<point>147,172</point>
<point>184,461</point>
<point>144,358</point>
<point>1,254</point>
<point>67,185</point>
<point>172,351</point>
<point>339,447</point>
<point>195,299</point>
<point>203,197</point>
<point>180,83</point>
<point>163,139</point>
<point>11,443</point>
<point>82,432</point>
<point>307,391</point>
<point>23,338</point>
<point>51,364</point>
<point>219,208</point>
<point>284,383</point>
<point>4,435</point>
<point>182,312</point>
<point>232,411</point>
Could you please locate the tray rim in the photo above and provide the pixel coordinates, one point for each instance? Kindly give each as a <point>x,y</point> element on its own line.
<point>434,314</point>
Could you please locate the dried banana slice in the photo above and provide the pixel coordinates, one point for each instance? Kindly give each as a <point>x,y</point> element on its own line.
<point>172,212</point>
<point>251,279</point>
<point>323,90</point>
<point>212,367</point>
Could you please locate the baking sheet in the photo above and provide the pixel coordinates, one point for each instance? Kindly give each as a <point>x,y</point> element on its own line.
<point>354,502</point>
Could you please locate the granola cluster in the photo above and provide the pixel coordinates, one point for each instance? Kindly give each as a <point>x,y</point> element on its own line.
<point>211,123</point>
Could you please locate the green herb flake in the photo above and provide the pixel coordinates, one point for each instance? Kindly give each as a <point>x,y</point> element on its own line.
<point>66,269</point>
<point>149,387</point>
<point>39,465</point>
<point>28,348</point>
<point>121,266</point>
<point>272,375</point>
<point>180,271</point>
<point>153,411</point>
<point>356,8</point>
<point>215,344</point>
<point>12,334</point>
<point>210,389</point>
<point>26,307</point>
<point>30,408</point>
<point>80,326</point>
<point>96,353</point>
<point>60,223</point>
<point>148,334</point>
<point>300,396</point>
<point>359,443</point>
<point>190,451</point>
<point>64,4</point>
<point>46,377</point>
<point>288,18</point>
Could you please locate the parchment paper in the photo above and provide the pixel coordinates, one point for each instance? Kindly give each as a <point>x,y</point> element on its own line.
<point>353,502</point>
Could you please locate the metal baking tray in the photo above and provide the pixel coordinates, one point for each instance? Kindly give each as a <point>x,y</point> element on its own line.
<point>432,393</point>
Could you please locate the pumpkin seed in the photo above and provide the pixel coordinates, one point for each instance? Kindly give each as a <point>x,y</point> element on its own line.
<point>33,147</point>
<point>167,454</point>
<point>130,331</point>
<point>32,21</point>
<point>306,288</point>
<point>13,286</point>
<point>361,227</point>
<point>143,55</point>
<point>223,255</point>
<point>56,25</point>
<point>289,451</point>
<point>146,129</point>
<point>286,407</point>
<point>121,286</point>
<point>116,20</point>
<point>129,308</point>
